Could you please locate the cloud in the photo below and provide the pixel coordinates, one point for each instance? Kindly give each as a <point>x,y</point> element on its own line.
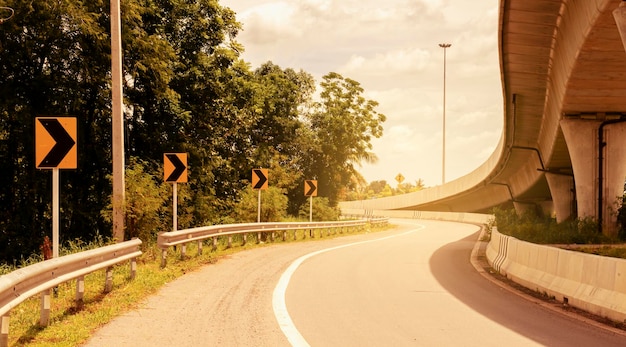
<point>383,64</point>
<point>391,48</point>
<point>269,23</point>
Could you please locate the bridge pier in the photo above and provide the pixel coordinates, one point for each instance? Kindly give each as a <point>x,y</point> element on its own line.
<point>562,191</point>
<point>596,165</point>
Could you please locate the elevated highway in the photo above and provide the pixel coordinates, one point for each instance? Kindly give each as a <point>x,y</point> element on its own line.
<point>563,145</point>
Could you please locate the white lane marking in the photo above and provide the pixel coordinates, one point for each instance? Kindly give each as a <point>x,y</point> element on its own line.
<point>278,298</point>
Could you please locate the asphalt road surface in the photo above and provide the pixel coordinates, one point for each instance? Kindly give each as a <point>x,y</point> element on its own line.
<point>410,286</point>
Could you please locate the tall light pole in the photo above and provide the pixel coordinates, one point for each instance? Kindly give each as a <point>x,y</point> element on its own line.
<point>117,121</point>
<point>443,159</point>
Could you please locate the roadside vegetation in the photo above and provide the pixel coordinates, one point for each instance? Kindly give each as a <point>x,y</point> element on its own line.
<point>186,90</point>
<point>382,189</point>
<point>580,235</point>
<point>71,325</point>
<point>545,230</point>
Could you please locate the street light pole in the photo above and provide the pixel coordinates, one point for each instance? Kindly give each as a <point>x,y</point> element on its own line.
<point>443,159</point>
<point>117,121</point>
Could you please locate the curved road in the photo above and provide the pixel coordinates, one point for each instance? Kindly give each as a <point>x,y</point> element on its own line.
<point>419,289</point>
<point>410,286</point>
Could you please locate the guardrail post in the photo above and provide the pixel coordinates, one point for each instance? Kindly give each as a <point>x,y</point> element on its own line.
<point>44,317</point>
<point>284,235</point>
<point>4,330</point>
<point>214,243</point>
<point>230,241</point>
<point>258,237</point>
<point>200,247</point>
<point>245,239</point>
<point>108,282</point>
<point>133,268</point>
<point>183,250</point>
<point>164,257</point>
<point>273,238</point>
<point>80,291</point>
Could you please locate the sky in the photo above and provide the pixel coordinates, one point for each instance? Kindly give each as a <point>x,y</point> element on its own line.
<point>392,49</point>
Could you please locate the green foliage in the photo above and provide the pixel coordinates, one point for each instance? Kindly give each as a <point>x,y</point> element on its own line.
<point>185,90</point>
<point>621,217</point>
<point>145,210</point>
<point>544,230</point>
<point>322,210</point>
<point>606,251</point>
<point>377,187</point>
<point>343,124</point>
<point>380,189</point>
<point>273,206</point>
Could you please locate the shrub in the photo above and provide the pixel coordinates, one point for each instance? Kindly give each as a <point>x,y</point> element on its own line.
<point>273,206</point>
<point>544,230</point>
<point>146,209</point>
<point>322,211</point>
<point>621,218</point>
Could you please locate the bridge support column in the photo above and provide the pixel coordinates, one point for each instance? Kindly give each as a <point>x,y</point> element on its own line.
<point>582,137</point>
<point>562,191</point>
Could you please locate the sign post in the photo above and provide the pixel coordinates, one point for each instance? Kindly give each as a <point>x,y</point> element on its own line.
<point>55,148</point>
<point>260,182</point>
<point>310,189</point>
<point>174,171</point>
<point>55,212</point>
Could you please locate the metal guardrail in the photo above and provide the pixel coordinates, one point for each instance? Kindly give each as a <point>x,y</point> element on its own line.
<point>182,237</point>
<point>26,282</point>
<point>19,285</point>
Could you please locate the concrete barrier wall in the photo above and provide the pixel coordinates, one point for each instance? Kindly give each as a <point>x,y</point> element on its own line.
<point>476,218</point>
<point>593,283</point>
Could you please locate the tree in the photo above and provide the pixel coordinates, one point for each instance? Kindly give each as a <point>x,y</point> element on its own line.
<point>146,203</point>
<point>273,206</point>
<point>322,211</point>
<point>343,124</point>
<point>377,186</point>
<point>186,90</point>
<point>55,60</point>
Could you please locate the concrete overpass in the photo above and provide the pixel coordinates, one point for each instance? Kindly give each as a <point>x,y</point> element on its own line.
<point>563,145</point>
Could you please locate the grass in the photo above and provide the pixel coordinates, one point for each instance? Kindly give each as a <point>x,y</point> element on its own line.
<point>576,235</point>
<point>71,325</point>
<point>545,230</point>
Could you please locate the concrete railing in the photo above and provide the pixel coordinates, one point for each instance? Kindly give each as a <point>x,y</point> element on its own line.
<point>26,282</point>
<point>592,283</point>
<point>182,237</point>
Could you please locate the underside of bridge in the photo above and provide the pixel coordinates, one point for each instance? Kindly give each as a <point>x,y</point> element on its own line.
<point>563,68</point>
